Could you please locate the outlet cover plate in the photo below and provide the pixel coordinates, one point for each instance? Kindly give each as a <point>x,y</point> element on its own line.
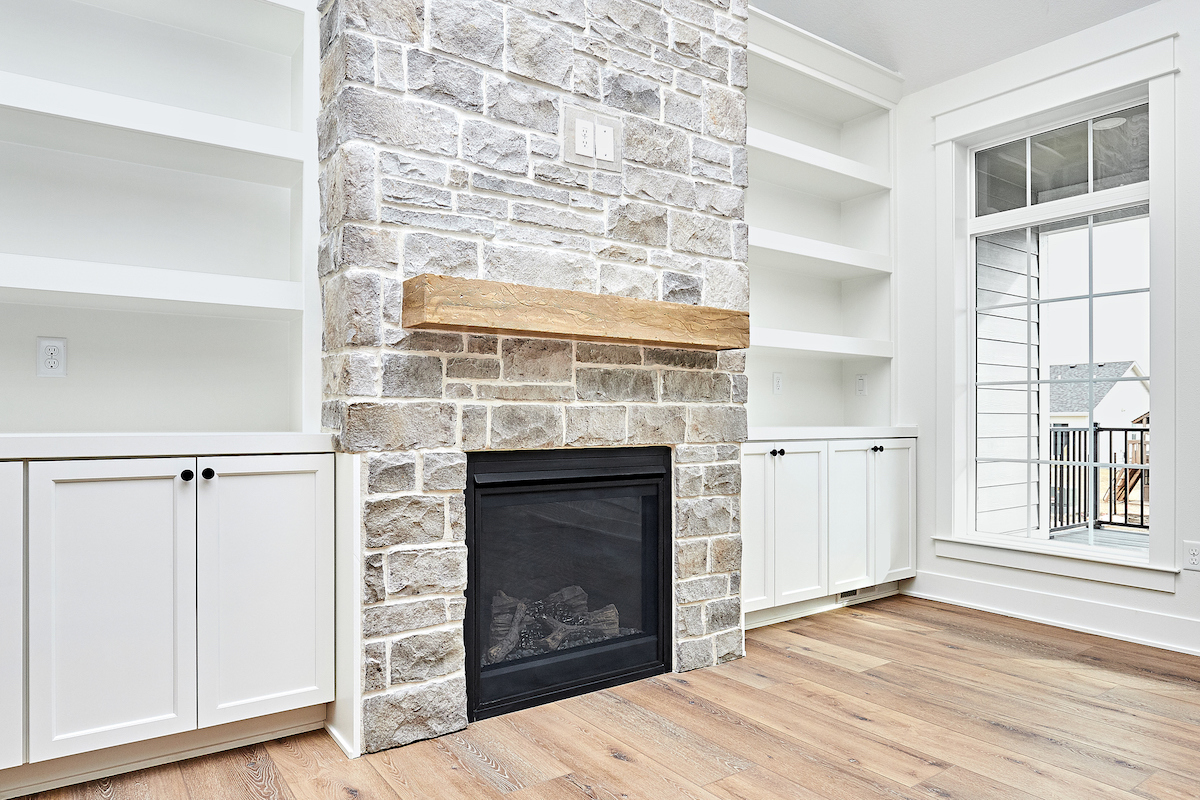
<point>51,357</point>
<point>1191,555</point>
<point>572,117</point>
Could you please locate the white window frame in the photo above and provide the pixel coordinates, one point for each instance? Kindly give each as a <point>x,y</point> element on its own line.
<point>1124,79</point>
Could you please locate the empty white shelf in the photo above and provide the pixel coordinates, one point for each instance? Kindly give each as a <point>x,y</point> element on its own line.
<point>784,82</point>
<point>775,159</point>
<point>799,254</point>
<point>36,279</point>
<point>60,100</point>
<point>819,343</point>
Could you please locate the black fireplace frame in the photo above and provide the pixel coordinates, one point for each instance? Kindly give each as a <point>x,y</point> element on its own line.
<point>565,469</point>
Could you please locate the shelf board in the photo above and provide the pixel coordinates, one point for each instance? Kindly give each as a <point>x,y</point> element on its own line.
<point>43,97</point>
<point>818,343</point>
<point>798,254</point>
<point>55,281</point>
<point>775,159</point>
<point>469,305</point>
<point>780,81</point>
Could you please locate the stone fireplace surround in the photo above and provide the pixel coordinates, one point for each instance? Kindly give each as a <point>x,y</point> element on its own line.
<point>441,152</point>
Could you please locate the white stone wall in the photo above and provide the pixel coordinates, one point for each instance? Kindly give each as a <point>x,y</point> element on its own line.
<point>442,151</point>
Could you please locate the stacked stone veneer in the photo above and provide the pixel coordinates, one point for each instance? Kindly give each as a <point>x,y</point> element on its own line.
<point>442,150</point>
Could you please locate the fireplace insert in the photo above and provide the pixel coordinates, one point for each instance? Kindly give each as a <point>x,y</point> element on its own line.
<point>566,583</point>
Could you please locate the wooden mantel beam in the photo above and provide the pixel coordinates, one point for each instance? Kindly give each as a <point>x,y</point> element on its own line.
<point>469,305</point>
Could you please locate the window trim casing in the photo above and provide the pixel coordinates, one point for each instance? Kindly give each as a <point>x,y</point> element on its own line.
<point>1138,74</point>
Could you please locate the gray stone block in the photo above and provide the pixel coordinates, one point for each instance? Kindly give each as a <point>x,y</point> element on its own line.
<point>455,223</point>
<point>474,427</point>
<point>740,167</point>
<point>723,479</point>
<point>615,251</point>
<point>539,50</point>
<point>391,472</point>
<point>373,588</point>
<point>558,219</point>
<point>689,482</point>
<point>719,615</point>
<point>741,241</point>
<point>543,146</point>
<point>443,472</point>
<point>445,80</point>
<point>406,375</point>
<point>680,288</point>
<point>374,667</point>
<point>616,37</point>
<point>695,453</point>
<point>522,104</point>
<point>692,84</point>
<point>661,187</point>
<point>421,712</point>
<point>426,341</point>
<point>422,656</point>
<point>735,31</point>
<point>725,554</point>
<point>712,152</point>
<point>616,385</point>
<point>436,570</point>
<point>729,452</point>
<point>526,392</point>
<point>638,222</point>
<point>456,511</point>
<point>629,281</point>
<point>702,169</point>
<point>684,111</point>
<point>633,18</point>
<point>585,78</point>
<point>470,29</point>
<point>353,310</point>
<point>490,183</point>
<point>399,165</point>
<point>656,424</point>
<point>402,20</point>
<point>606,183</point>
<point>685,39</point>
<point>392,120</point>
<point>624,60</point>
<point>572,12</point>
<point>396,426</point>
<point>729,645</point>
<point>332,412</point>
<point>714,52</point>
<point>494,207</point>
<point>411,519</point>
<point>727,285</point>
<point>689,621</point>
<point>655,145</point>
<point>458,608</point>
<point>547,360</point>
<point>475,369</point>
<point>526,426</point>
<point>695,387</point>
<point>532,267</point>
<point>542,237</point>
<point>631,93</point>
<point>693,590</point>
<point>594,425</point>
<point>739,71</point>
<point>349,374</point>
<point>694,654</point>
<point>691,559</point>
<point>726,201</point>
<point>348,185</point>
<point>550,172</point>
<point>405,193</point>
<point>593,353</point>
<point>717,424</point>
<point>705,516</point>
<point>681,359</point>
<point>396,618</point>
<point>483,344</point>
<point>693,233</point>
<point>390,66</point>
<point>492,146</point>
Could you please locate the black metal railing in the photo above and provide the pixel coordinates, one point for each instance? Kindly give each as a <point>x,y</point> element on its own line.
<point>1096,475</point>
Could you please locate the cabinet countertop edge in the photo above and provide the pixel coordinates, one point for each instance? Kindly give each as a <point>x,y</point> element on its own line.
<point>774,434</point>
<point>19,447</point>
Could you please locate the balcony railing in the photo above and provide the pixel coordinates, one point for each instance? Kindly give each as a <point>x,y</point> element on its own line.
<point>1099,477</point>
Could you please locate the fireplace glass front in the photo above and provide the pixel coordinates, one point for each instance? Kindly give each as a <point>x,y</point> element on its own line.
<point>565,586</point>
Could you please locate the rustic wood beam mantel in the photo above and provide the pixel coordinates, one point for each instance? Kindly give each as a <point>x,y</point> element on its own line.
<point>469,305</point>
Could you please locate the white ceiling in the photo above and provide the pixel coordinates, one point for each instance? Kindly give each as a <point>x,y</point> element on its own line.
<point>929,41</point>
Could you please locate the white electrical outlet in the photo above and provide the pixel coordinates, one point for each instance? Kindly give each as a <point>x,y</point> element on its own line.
<point>604,142</point>
<point>776,383</point>
<point>51,357</point>
<point>860,385</point>
<point>585,138</point>
<point>1191,555</point>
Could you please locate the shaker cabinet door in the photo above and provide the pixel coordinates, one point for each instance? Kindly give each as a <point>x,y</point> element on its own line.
<point>851,551</point>
<point>758,527</point>
<point>895,512</point>
<point>800,520</point>
<point>265,594</point>
<point>12,613</point>
<point>112,603</point>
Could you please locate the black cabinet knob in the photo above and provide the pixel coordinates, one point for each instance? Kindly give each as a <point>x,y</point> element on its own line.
<point>208,473</point>
<point>877,448</point>
<point>782,452</point>
<point>774,452</point>
<point>187,474</point>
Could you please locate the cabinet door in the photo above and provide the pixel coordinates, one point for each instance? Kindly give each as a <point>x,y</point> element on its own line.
<point>112,603</point>
<point>12,613</point>
<point>851,555</point>
<point>758,526</point>
<point>265,594</point>
<point>895,510</point>
<point>800,521</point>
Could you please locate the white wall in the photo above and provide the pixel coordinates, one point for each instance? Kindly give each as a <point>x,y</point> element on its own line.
<point>1169,620</point>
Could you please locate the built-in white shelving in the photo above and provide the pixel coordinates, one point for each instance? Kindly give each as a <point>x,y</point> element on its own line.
<point>158,209</point>
<point>819,207</point>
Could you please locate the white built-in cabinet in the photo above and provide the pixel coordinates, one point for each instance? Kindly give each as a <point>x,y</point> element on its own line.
<point>12,614</point>
<point>169,594</point>
<point>824,517</point>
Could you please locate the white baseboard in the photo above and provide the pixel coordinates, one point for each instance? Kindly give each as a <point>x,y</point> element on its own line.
<point>45,775</point>
<point>770,616</point>
<point>1135,625</point>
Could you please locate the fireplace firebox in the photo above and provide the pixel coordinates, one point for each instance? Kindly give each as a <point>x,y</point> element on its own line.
<point>567,590</point>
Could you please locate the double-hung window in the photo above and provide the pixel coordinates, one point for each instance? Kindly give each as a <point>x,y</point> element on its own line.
<point>1060,338</point>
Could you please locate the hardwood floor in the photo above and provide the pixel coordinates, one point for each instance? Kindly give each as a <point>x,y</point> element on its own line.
<point>900,699</point>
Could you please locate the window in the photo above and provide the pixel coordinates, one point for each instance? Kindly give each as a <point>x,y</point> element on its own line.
<point>1061,359</point>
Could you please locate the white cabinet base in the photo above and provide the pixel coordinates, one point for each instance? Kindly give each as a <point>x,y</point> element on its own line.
<point>12,614</point>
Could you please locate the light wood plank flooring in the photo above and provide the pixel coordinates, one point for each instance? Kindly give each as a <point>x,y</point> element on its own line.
<point>901,698</point>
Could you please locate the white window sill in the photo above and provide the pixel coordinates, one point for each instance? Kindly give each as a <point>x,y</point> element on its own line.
<point>1058,559</point>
